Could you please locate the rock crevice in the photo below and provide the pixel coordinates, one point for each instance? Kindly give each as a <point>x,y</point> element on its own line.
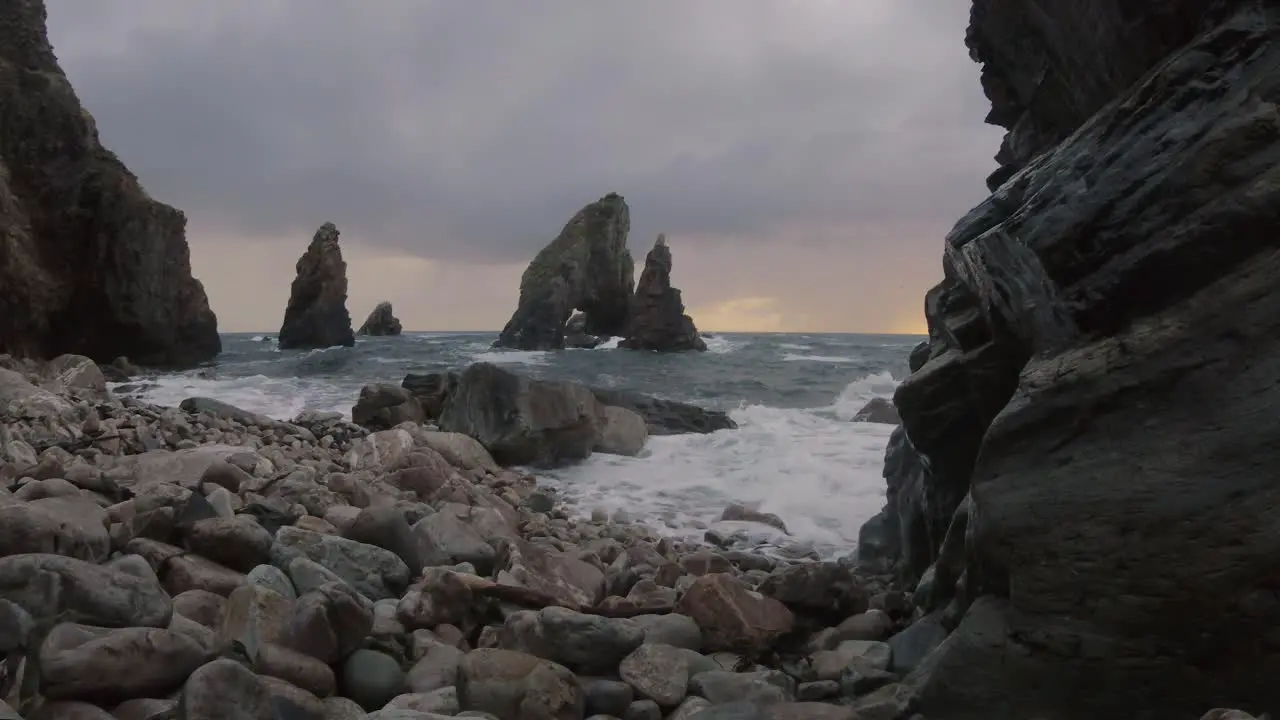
<point>89,263</point>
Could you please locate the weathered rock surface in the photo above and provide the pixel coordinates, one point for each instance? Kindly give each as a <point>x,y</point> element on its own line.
<point>89,263</point>
<point>658,321</point>
<point>587,267</point>
<point>522,421</point>
<point>382,407</point>
<point>316,316</point>
<point>381,322</point>
<point>1079,471</point>
<point>575,333</point>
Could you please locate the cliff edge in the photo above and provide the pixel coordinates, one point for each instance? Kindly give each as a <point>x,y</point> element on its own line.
<point>89,263</point>
<point>1083,484</point>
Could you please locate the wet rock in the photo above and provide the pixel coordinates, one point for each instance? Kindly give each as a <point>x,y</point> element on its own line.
<point>431,390</point>
<point>381,322</point>
<point>733,617</point>
<point>456,541</point>
<point>255,616</point>
<point>559,575</point>
<point>316,316</point>
<point>60,525</point>
<point>622,432</point>
<point>878,410</point>
<point>657,320</point>
<point>295,668</point>
<point>382,407</point>
<point>522,421</point>
<point>764,687</point>
<point>830,590</point>
<point>587,267</point>
<point>738,512</point>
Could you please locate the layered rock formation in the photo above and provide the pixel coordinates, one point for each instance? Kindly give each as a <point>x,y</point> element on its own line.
<point>317,316</point>
<point>382,321</point>
<point>89,263</point>
<point>657,320</point>
<point>1081,476</point>
<point>589,268</point>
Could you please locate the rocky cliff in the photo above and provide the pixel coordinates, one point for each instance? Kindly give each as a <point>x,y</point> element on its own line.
<point>588,268</point>
<point>89,263</point>
<point>382,321</point>
<point>317,316</point>
<point>657,315</point>
<point>1083,480</point>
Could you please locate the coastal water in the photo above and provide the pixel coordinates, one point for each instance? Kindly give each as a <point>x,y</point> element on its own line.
<point>795,454</point>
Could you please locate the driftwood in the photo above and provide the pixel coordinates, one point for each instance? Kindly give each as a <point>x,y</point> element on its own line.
<point>534,599</point>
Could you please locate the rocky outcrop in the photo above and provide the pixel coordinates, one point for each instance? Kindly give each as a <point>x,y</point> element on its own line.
<point>317,316</point>
<point>1079,481</point>
<point>661,417</point>
<point>89,263</point>
<point>589,268</point>
<point>543,423</point>
<point>381,321</point>
<point>575,333</point>
<point>657,320</point>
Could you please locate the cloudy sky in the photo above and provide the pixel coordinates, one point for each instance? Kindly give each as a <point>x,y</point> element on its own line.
<point>804,157</point>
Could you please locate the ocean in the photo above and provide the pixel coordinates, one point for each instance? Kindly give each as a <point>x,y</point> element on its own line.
<point>795,454</point>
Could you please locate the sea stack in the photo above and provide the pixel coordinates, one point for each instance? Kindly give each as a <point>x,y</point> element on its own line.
<point>1084,482</point>
<point>587,267</point>
<point>658,321</point>
<point>382,321</point>
<point>317,316</point>
<point>89,263</point>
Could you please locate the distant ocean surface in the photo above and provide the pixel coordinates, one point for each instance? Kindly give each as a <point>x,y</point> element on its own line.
<point>795,454</point>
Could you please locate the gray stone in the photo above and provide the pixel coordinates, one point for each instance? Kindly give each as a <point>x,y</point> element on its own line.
<point>371,570</point>
<point>371,678</point>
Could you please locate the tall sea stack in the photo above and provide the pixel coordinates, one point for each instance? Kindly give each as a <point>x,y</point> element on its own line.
<point>587,267</point>
<point>1084,482</point>
<point>317,316</point>
<point>89,263</point>
<point>658,321</point>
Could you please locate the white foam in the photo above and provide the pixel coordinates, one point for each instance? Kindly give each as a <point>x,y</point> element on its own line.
<point>813,468</point>
<point>279,398</point>
<point>795,357</point>
<point>511,357</point>
<point>794,346</point>
<point>610,344</point>
<point>720,345</point>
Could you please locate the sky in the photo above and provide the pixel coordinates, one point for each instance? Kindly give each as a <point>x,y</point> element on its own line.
<point>805,158</point>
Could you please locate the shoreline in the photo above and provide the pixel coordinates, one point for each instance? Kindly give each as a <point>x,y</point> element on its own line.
<point>431,549</point>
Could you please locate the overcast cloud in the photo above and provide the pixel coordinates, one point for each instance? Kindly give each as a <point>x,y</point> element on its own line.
<point>774,141</point>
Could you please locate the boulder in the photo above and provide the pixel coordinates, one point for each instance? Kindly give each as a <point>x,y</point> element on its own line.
<point>512,685</point>
<point>1100,377</point>
<point>587,267</point>
<point>381,322</point>
<point>431,390</point>
<point>657,318</point>
<point>575,333</point>
<point>522,421</point>
<point>732,616</point>
<point>316,316</point>
<point>666,417</point>
<point>622,432</point>
<point>382,407</point>
<point>878,410</point>
<point>89,263</point>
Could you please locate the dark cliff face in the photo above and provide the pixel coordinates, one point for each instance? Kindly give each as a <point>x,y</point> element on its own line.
<point>89,263</point>
<point>657,315</point>
<point>587,267</point>
<point>1093,414</point>
<point>317,316</point>
<point>1047,67</point>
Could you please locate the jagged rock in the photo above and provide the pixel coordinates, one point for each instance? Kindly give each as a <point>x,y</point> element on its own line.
<point>575,333</point>
<point>382,407</point>
<point>89,263</point>
<point>317,316</point>
<point>657,320</point>
<point>1101,375</point>
<point>588,267</point>
<point>381,321</point>
<point>431,390</point>
<point>878,410</point>
<point>666,417</point>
